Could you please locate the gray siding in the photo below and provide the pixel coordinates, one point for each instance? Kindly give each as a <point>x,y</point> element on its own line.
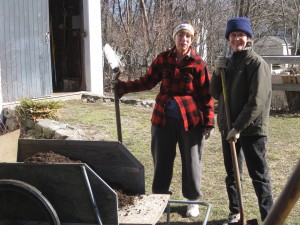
<point>24,49</point>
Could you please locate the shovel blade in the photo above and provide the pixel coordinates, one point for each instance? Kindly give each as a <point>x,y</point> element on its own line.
<point>248,222</point>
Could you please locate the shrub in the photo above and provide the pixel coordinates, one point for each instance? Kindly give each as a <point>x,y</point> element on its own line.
<point>30,109</point>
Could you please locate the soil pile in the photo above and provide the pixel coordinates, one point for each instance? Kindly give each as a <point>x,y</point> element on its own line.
<point>49,157</point>
<point>123,199</point>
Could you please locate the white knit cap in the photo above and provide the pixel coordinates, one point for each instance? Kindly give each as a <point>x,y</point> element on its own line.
<point>183,26</point>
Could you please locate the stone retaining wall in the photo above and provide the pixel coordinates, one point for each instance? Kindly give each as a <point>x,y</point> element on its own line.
<point>51,129</point>
<point>124,100</point>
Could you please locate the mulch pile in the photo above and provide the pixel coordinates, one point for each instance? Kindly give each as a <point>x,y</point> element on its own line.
<point>52,157</point>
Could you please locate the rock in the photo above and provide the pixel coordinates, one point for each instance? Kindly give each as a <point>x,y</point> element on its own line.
<point>67,134</point>
<point>9,113</point>
<point>88,96</point>
<point>11,124</point>
<point>51,129</point>
<point>29,123</point>
<point>129,101</point>
<point>31,132</point>
<point>90,100</point>
<point>151,103</point>
<point>107,100</point>
<point>48,127</point>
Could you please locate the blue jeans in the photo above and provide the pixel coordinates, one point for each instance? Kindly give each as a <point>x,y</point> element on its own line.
<point>254,150</point>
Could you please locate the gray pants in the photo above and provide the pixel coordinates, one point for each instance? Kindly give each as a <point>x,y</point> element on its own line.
<point>163,148</point>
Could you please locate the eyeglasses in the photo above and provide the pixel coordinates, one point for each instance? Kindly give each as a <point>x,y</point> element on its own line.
<point>188,36</point>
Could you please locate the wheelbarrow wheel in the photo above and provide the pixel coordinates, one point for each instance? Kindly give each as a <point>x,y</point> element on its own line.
<point>21,203</point>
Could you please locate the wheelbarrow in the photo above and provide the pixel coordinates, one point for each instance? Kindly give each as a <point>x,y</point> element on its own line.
<point>75,193</point>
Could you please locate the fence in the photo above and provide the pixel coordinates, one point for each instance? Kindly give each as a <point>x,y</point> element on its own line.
<point>284,60</point>
<point>286,88</point>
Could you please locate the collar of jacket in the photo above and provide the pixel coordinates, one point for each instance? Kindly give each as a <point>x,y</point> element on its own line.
<point>192,53</point>
<point>240,55</point>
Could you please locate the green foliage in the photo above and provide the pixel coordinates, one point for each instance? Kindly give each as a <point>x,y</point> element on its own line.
<point>30,109</point>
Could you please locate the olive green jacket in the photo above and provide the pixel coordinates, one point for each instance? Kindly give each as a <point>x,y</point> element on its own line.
<point>249,90</point>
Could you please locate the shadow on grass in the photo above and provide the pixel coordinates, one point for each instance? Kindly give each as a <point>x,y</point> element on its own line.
<point>178,213</point>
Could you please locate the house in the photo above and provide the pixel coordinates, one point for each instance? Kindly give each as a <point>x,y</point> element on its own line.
<point>272,45</point>
<point>49,46</point>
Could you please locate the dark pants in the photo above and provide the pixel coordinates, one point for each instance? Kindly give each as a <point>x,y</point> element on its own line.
<point>254,151</point>
<point>163,148</point>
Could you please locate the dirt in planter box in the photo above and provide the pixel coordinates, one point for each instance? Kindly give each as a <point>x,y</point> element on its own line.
<point>52,157</point>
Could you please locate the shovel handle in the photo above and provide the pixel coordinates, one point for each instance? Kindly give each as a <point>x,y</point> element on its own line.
<point>286,200</point>
<point>233,150</point>
<point>237,180</point>
<point>225,96</point>
<point>117,109</point>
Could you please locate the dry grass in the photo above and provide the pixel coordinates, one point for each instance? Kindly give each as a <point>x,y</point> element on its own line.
<point>98,121</point>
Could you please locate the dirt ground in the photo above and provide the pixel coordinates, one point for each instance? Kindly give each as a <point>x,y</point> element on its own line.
<point>52,157</point>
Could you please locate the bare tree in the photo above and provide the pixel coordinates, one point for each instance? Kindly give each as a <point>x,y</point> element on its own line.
<point>139,30</point>
<point>284,26</point>
<point>297,36</point>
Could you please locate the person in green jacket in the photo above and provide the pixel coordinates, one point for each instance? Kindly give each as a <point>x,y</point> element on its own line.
<point>249,90</point>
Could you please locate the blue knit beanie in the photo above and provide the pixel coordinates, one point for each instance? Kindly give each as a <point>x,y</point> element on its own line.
<point>239,24</point>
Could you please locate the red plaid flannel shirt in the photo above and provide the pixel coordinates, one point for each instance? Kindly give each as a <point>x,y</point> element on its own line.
<point>186,81</point>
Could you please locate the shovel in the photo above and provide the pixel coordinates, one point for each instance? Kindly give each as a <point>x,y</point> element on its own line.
<point>242,220</point>
<point>117,68</point>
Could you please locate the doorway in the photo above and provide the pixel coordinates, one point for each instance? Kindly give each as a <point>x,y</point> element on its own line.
<point>66,36</point>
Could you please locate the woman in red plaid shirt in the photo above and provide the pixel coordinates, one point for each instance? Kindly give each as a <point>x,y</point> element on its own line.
<point>183,113</point>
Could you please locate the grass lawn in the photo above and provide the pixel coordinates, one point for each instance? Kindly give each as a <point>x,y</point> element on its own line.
<point>98,121</point>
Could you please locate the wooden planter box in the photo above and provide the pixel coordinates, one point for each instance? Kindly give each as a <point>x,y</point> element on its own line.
<point>110,160</point>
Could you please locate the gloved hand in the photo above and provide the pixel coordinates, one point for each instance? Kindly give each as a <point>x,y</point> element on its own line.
<point>114,84</point>
<point>117,86</point>
<point>233,135</point>
<point>220,63</point>
<point>207,132</point>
